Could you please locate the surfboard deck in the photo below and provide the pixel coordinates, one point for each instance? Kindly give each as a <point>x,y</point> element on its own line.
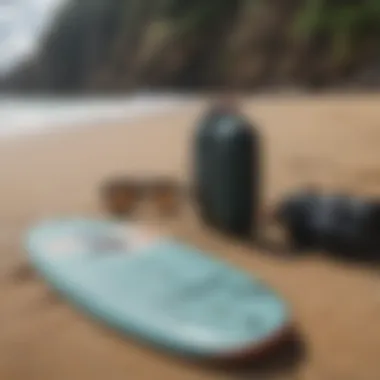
<point>157,289</point>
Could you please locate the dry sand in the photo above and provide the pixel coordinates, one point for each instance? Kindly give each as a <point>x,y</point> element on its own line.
<point>333,141</point>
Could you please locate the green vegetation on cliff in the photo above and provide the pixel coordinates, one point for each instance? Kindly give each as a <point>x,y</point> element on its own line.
<point>351,28</point>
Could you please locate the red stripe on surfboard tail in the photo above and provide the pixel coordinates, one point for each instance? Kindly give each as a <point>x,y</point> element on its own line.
<point>258,350</point>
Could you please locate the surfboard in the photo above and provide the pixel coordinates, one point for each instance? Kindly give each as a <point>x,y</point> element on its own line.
<point>157,289</point>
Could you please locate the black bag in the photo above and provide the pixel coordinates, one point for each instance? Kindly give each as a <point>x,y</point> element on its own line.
<point>227,175</point>
<point>339,224</point>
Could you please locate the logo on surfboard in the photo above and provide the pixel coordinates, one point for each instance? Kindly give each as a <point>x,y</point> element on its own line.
<point>116,239</point>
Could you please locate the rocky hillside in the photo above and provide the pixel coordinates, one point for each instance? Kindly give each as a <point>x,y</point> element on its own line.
<point>118,45</point>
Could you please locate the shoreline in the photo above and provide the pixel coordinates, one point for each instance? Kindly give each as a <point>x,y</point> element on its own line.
<point>33,116</point>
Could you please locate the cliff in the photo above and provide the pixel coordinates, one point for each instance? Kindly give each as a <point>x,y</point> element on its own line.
<point>119,45</point>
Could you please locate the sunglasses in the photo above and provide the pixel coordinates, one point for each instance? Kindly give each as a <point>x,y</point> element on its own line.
<point>122,197</point>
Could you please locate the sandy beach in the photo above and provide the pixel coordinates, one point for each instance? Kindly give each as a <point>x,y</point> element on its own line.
<point>330,140</point>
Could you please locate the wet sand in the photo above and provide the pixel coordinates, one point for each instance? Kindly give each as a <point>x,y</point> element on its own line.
<point>332,141</point>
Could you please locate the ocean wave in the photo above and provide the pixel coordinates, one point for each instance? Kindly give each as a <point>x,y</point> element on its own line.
<point>20,116</point>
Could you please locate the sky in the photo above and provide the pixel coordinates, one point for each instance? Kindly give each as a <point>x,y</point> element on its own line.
<point>21,25</point>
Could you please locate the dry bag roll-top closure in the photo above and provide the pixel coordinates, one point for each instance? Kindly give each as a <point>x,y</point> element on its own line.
<point>227,171</point>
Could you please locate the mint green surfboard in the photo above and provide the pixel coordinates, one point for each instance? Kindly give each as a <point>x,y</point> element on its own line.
<point>157,289</point>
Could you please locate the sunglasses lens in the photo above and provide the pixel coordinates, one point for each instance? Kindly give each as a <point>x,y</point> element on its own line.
<point>129,198</point>
<point>167,199</point>
<point>120,199</point>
